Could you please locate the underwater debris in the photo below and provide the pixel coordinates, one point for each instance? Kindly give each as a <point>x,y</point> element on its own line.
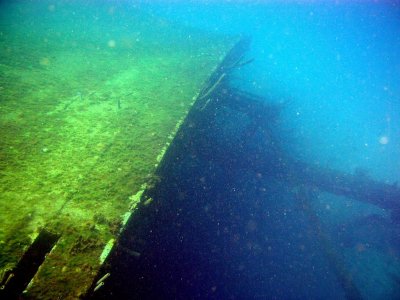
<point>103,278</point>
<point>246,62</point>
<point>5,276</point>
<point>130,252</point>
<point>97,287</point>
<point>101,282</point>
<point>213,87</point>
<point>148,201</point>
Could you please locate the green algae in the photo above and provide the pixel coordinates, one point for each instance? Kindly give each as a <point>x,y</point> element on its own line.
<point>85,118</point>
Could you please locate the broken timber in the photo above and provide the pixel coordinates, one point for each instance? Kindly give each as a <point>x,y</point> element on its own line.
<point>271,159</point>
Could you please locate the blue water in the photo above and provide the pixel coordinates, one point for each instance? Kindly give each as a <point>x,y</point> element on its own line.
<point>336,65</point>
<point>216,232</point>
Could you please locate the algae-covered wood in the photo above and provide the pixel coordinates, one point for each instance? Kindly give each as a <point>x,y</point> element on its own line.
<point>90,97</point>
